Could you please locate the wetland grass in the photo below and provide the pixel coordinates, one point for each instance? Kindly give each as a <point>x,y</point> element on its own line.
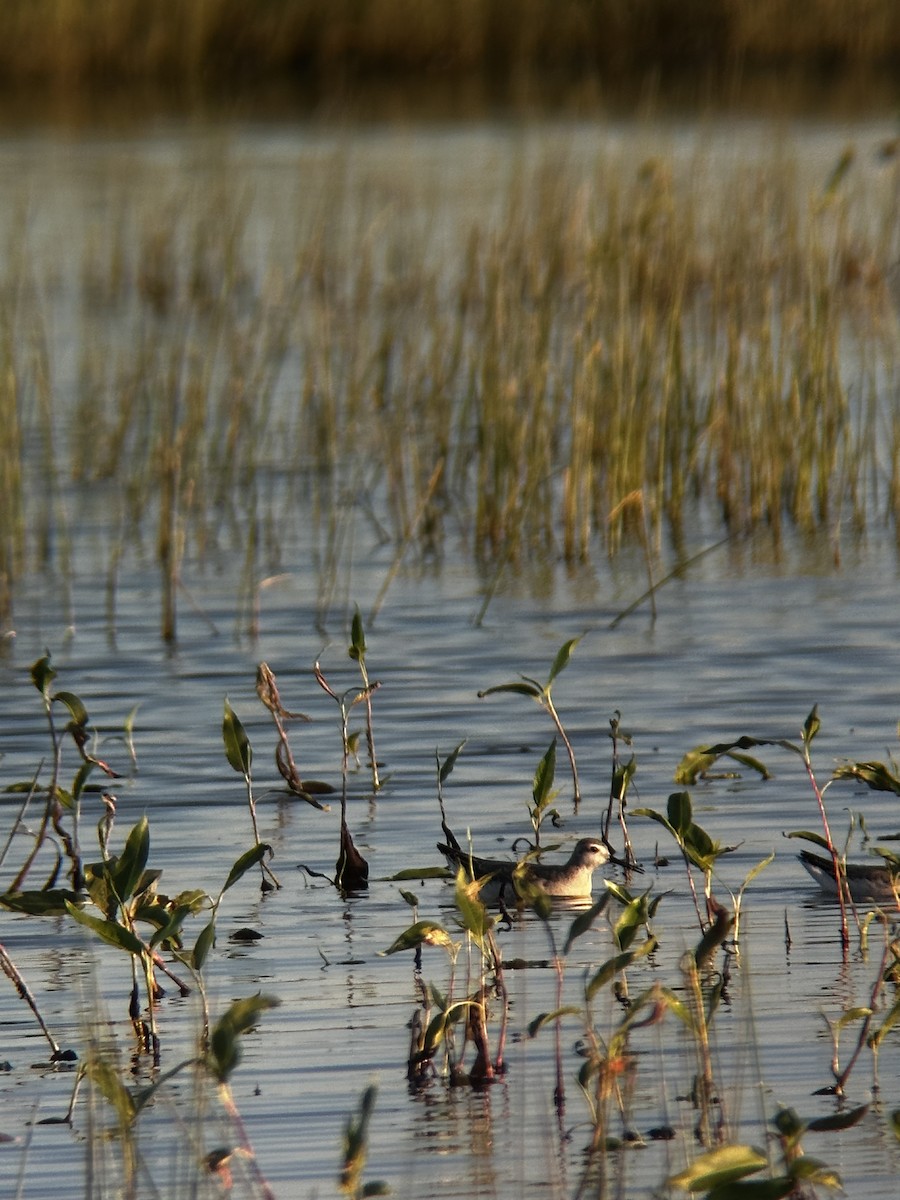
<point>633,352</point>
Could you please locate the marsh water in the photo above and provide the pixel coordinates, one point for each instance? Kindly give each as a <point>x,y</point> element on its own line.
<point>746,641</point>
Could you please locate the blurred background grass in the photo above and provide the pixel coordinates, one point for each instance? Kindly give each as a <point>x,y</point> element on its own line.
<point>498,49</point>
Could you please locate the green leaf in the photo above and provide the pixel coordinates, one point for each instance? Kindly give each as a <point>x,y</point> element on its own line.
<point>109,931</point>
<point>49,903</point>
<point>622,778</point>
<point>425,933</point>
<point>811,726</point>
<point>450,761</point>
<point>237,744</point>
<point>629,923</point>
<point>789,1124</point>
<point>808,836</point>
<point>131,863</point>
<point>247,860</point>
<point>204,943</point>
<point>224,1053</point>
<point>875,1039</point>
<point>608,971</point>
<point>874,774</point>
<point>758,869</point>
<point>584,921</point>
<point>543,777</point>
<point>719,1166</point>
<point>357,649</point>
<point>679,812</point>
<point>105,1077</point>
<point>42,675</point>
<point>474,915</point>
<point>520,689</point>
<point>168,930</point>
<point>81,778</point>
<point>76,709</point>
<point>419,873</point>
<point>545,1018</point>
<point>562,657</point>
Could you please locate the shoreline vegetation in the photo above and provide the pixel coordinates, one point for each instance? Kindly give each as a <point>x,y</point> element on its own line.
<point>329,48</point>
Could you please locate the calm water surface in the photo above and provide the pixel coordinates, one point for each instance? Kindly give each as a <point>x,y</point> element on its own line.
<point>741,645</point>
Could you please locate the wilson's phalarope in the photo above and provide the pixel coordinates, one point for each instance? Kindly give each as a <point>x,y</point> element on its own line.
<point>571,880</point>
<point>865,882</point>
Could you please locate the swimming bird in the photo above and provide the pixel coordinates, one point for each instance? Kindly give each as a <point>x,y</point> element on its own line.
<point>571,880</point>
<point>867,882</point>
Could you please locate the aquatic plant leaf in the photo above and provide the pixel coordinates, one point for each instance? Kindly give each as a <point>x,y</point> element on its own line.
<point>608,971</point>
<point>237,745</point>
<point>789,1124</point>
<point>696,761</point>
<point>519,689</point>
<point>419,873</point>
<point>357,648</point>
<point>42,674</point>
<point>45,903</point>
<point>838,1121</point>
<point>895,1123</point>
<point>718,1167</point>
<point>224,1052</point>
<point>426,933</point>
<point>204,943</point>
<point>680,812</point>
<point>545,1018</point>
<point>622,777</point>
<point>758,869</point>
<point>677,1007</point>
<point>851,1015</point>
<point>532,895</point>
<point>700,847</point>
<point>105,1077</point>
<point>81,778</point>
<point>377,1187</point>
<point>109,931</point>
<point>247,860</point>
<point>809,836</point>
<point>584,921</point>
<point>474,916</point>
<point>73,703</point>
<point>629,923</point>
<point>450,761</point>
<point>747,760</point>
<point>543,777</point>
<point>132,861</point>
<point>813,1170</point>
<point>811,726</point>
<point>563,655</point>
<point>875,1039</point>
<point>873,774</point>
